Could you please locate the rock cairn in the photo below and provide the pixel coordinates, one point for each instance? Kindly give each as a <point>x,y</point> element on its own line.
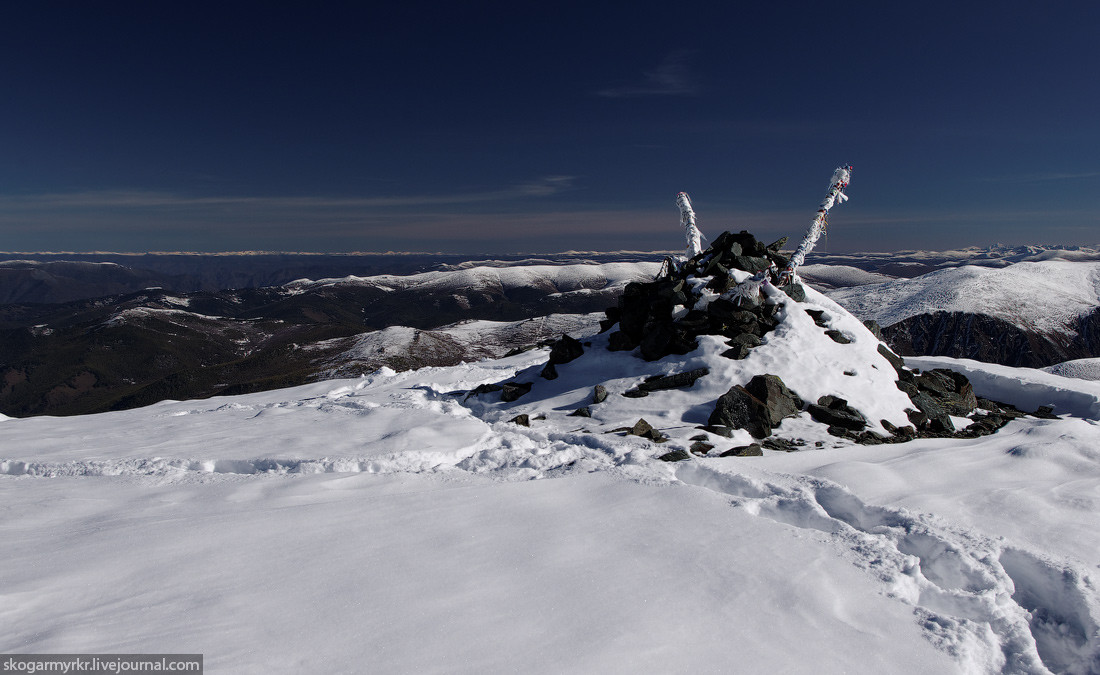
<point>660,317</point>
<point>710,294</point>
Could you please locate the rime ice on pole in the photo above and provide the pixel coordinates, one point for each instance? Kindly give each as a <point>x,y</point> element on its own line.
<point>687,219</point>
<point>834,196</point>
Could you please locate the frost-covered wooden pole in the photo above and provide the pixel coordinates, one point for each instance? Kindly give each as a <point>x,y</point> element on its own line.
<point>687,219</point>
<point>834,196</point>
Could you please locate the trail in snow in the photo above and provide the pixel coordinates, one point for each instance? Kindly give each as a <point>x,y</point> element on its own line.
<point>990,605</point>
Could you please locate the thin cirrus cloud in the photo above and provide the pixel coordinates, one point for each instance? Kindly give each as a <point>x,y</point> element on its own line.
<point>124,200</point>
<point>670,78</point>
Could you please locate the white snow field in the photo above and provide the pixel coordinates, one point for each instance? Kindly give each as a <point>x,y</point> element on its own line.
<point>1045,296</point>
<point>1084,369</point>
<point>840,276</point>
<point>578,278</point>
<point>390,524</point>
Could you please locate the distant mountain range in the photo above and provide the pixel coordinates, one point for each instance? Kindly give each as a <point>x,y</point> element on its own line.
<point>1030,314</point>
<point>92,334</point>
<point>129,350</point>
<point>63,277</point>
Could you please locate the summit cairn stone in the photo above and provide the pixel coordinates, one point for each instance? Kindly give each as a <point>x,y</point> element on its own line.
<point>758,407</point>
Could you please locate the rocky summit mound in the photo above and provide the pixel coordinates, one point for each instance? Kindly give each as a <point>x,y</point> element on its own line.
<point>714,353</point>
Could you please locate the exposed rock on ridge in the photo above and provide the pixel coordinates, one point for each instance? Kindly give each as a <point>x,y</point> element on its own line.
<point>727,296</point>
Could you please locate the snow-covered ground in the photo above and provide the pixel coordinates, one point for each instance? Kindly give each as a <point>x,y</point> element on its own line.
<point>383,525</point>
<point>840,276</point>
<point>1045,297</point>
<point>554,278</point>
<point>1083,369</point>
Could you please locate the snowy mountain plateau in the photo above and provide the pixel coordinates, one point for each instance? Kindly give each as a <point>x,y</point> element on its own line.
<point>1027,314</point>
<point>136,348</point>
<point>719,474</point>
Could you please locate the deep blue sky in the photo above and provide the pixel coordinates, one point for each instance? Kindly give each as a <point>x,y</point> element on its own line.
<point>499,127</point>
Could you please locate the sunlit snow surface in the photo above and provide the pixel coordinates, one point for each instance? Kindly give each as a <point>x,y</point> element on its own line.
<point>1083,369</point>
<point>1046,297</point>
<point>385,524</point>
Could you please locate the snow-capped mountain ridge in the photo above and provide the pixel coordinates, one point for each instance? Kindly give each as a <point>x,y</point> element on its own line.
<point>1029,313</point>
<point>551,278</point>
<point>1046,297</point>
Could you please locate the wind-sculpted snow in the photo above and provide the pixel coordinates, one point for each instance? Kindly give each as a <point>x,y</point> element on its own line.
<point>840,276</point>
<point>1024,388</point>
<point>390,523</point>
<point>1082,369</point>
<point>995,609</point>
<point>1045,297</point>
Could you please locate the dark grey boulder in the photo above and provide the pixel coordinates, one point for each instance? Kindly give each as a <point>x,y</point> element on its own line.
<point>523,420</point>
<point>896,361</point>
<point>753,450</point>
<point>645,430</point>
<point>950,391</point>
<point>483,389</point>
<point>738,409</point>
<point>779,401</point>
<point>655,340</point>
<point>871,438</point>
<point>757,407</point>
<point>599,393</point>
<point>1045,412</point>
<point>620,342</point>
<point>937,382</point>
<point>565,350</point>
<point>908,388</point>
<point>777,245</point>
<point>931,408</point>
<point>700,448</point>
<point>818,315</point>
<point>783,444</point>
<point>736,352</point>
<point>941,425</point>
<point>581,412</point>
<point>675,456</point>
<point>794,291</point>
<point>674,381</point>
<point>747,339</point>
<point>511,391</point>
<point>917,418</point>
<point>751,263</point>
<point>836,412</point>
